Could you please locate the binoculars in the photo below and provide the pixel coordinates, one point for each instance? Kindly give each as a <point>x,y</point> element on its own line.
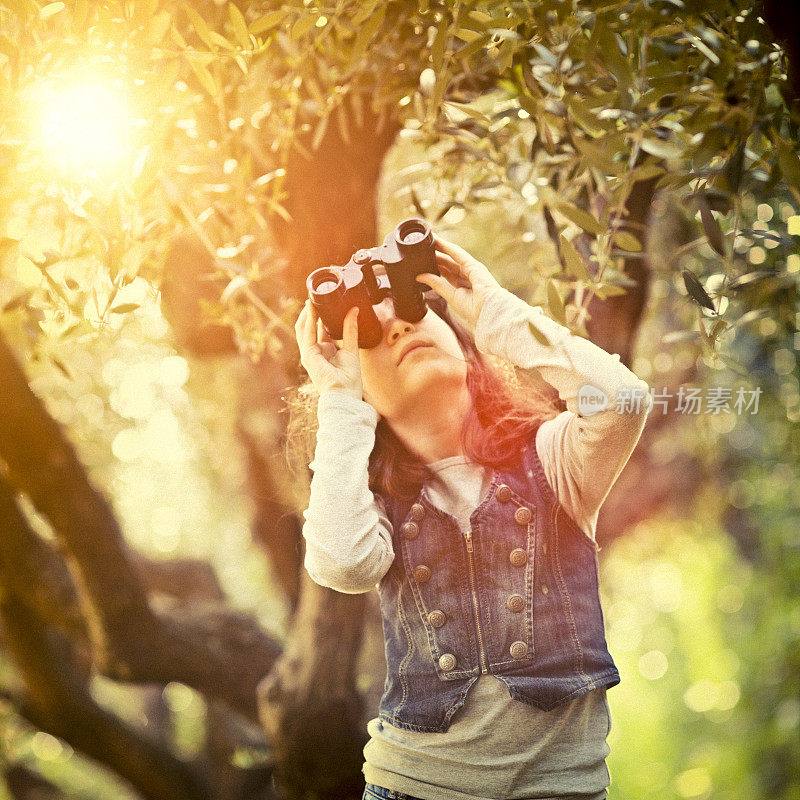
<point>406,252</point>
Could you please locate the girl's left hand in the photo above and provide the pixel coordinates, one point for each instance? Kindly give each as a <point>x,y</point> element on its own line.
<point>465,282</point>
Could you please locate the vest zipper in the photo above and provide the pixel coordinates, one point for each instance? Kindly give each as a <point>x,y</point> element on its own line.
<point>468,537</point>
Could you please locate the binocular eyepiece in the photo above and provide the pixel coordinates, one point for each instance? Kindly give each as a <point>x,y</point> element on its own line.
<point>406,252</point>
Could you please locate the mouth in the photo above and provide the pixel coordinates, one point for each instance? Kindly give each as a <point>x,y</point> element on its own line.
<point>410,347</point>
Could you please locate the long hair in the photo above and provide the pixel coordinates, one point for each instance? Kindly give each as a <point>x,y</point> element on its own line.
<point>502,415</point>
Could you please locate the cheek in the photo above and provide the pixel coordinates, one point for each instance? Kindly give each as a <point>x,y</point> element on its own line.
<point>373,375</point>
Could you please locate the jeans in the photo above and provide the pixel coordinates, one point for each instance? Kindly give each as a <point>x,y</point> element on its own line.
<point>373,792</point>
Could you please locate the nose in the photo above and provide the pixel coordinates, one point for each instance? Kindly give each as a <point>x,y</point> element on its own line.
<point>396,328</point>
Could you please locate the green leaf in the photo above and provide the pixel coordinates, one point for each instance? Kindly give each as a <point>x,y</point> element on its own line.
<point>438,46</point>
<point>446,207</point>
<point>627,241</point>
<point>124,308</point>
<point>364,12</point>
<point>789,164</point>
<point>598,155</point>
<point>303,26</point>
<point>62,367</point>
<point>466,35</point>
<point>735,366</point>
<point>268,21</point>
<point>572,260</point>
<point>415,201</point>
<point>581,218</point>
<point>584,116</point>
<point>661,148</point>
<point>50,9</point>
<point>366,33</point>
<point>538,335</point>
<point>734,168</point>
<point>468,111</point>
<point>604,290</point>
<point>696,290</point>
<point>711,227</point>
<point>220,40</point>
<point>319,133</point>
<point>157,27</point>
<point>203,75</point>
<point>644,173</point>
<point>716,329</point>
<point>200,26</point>
<point>555,303</point>
<point>239,26</point>
<point>679,336</point>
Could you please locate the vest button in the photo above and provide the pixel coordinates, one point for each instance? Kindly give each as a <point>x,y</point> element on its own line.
<point>503,493</point>
<point>410,530</point>
<point>523,515</point>
<point>422,573</point>
<point>437,618</point>
<point>518,557</point>
<point>518,649</point>
<point>447,661</point>
<point>515,602</point>
<point>417,512</point>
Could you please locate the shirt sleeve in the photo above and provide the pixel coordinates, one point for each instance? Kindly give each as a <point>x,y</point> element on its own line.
<point>583,449</point>
<point>347,534</point>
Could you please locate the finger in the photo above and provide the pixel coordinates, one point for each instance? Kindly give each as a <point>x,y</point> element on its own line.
<point>300,324</point>
<point>448,264</point>
<point>453,250</point>
<point>323,337</point>
<point>440,285</point>
<point>350,331</point>
<point>452,273</point>
<point>467,264</point>
<point>309,339</point>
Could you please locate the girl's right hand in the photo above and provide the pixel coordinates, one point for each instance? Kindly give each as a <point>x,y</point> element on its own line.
<point>329,366</point>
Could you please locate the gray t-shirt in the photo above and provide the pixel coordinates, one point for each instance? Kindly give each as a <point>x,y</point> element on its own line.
<point>495,747</point>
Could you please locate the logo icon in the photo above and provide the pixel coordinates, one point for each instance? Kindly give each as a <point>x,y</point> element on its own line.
<point>591,400</point>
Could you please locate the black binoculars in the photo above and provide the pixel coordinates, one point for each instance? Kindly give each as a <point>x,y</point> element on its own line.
<point>406,252</point>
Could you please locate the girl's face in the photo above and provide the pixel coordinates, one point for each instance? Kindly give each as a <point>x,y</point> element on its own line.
<point>414,365</point>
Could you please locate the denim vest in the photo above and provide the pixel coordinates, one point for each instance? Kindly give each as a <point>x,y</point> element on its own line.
<point>516,597</point>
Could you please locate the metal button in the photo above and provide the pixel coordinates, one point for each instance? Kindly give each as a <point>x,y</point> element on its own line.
<point>410,530</point>
<point>523,515</point>
<point>518,557</point>
<point>515,602</point>
<point>447,661</point>
<point>437,618</point>
<point>518,649</point>
<point>422,573</point>
<point>545,590</point>
<point>417,512</point>
<point>503,493</point>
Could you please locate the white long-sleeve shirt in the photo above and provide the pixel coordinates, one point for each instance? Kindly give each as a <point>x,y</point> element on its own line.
<point>347,533</point>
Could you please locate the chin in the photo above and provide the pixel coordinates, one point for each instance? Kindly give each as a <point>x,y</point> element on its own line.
<point>436,376</point>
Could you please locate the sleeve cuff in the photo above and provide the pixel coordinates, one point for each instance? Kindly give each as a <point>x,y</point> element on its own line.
<point>341,404</point>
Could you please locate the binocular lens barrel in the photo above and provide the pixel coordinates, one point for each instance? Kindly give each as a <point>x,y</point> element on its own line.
<point>415,241</point>
<point>413,232</point>
<point>325,286</point>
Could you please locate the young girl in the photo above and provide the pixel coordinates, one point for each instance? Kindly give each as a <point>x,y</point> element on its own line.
<point>472,506</point>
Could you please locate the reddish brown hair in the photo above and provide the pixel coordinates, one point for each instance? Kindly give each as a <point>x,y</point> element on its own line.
<point>501,417</point>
